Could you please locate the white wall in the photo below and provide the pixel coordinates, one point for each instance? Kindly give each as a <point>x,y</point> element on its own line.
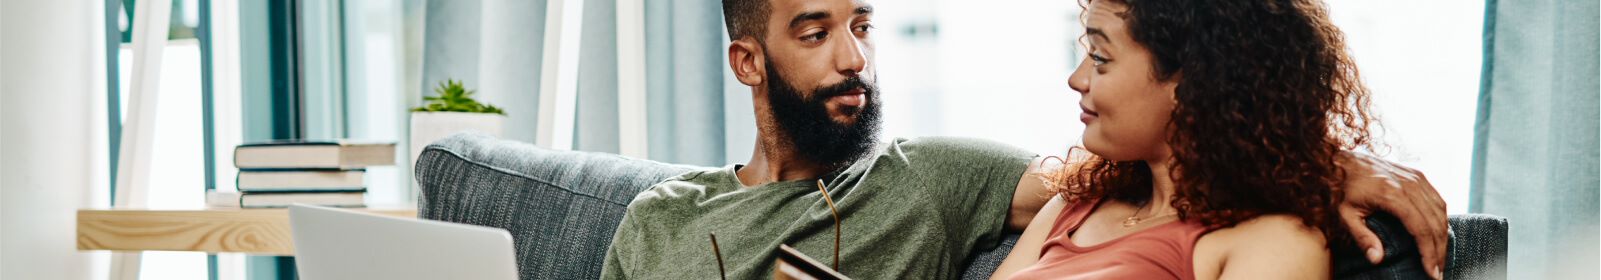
<point>52,135</point>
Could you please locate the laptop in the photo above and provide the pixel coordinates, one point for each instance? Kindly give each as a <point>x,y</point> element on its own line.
<point>335,243</point>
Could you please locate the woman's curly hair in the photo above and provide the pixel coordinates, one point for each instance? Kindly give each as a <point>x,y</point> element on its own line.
<point>1267,101</point>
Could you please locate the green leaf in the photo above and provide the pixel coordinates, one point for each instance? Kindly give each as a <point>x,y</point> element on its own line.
<point>452,96</point>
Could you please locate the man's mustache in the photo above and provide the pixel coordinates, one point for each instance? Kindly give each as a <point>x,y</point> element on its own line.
<point>842,87</point>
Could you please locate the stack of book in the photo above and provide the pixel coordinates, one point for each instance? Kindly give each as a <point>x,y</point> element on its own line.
<point>326,173</point>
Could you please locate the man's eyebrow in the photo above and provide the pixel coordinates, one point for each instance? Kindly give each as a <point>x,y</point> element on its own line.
<point>863,10</point>
<point>807,16</point>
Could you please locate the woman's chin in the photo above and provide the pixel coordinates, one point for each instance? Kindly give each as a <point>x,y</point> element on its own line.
<point>1104,149</point>
<point>1095,146</point>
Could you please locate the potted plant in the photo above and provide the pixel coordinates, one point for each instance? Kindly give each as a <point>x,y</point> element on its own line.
<point>453,110</point>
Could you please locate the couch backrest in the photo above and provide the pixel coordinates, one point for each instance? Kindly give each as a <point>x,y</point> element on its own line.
<point>562,208</point>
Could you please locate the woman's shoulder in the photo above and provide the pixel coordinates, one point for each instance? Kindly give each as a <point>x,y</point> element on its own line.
<point>1272,229</point>
<point>1275,224</point>
<point>1268,245</point>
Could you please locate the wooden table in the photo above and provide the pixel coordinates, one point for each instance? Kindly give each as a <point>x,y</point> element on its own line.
<point>231,230</point>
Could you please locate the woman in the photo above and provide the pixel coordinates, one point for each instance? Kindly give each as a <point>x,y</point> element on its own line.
<point>1214,128</point>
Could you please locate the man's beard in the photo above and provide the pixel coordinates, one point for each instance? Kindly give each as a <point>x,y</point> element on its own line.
<point>805,125</point>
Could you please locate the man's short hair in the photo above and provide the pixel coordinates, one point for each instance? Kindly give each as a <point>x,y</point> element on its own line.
<point>746,18</point>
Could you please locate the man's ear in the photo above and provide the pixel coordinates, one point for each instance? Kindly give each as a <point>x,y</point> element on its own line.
<point>745,58</point>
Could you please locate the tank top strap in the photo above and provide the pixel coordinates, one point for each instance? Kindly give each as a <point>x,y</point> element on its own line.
<point>1073,216</point>
<point>1190,232</point>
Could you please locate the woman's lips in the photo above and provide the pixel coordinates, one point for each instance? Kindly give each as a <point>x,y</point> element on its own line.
<point>1088,115</point>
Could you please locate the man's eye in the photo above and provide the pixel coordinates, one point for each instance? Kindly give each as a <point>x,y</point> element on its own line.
<point>819,36</point>
<point>864,27</point>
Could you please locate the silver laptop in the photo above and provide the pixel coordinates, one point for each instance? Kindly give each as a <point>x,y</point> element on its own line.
<point>335,243</point>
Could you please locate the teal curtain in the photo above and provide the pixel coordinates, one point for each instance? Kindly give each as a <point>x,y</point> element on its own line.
<point>1536,148</point>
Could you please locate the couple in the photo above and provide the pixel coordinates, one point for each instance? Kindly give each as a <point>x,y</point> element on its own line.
<point>1217,145</point>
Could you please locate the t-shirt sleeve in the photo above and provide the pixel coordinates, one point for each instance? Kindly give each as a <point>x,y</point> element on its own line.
<point>619,254</point>
<point>973,181</point>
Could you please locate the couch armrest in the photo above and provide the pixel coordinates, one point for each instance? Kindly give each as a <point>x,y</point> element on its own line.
<point>1478,247</point>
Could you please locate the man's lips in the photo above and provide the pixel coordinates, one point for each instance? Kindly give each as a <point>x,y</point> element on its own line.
<point>853,98</point>
<point>1088,115</point>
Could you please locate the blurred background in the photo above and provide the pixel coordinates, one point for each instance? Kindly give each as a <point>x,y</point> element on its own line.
<point>237,71</point>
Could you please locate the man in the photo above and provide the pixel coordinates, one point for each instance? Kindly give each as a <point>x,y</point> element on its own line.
<point>908,209</point>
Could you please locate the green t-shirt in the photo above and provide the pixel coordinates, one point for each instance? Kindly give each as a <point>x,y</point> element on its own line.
<point>916,209</point>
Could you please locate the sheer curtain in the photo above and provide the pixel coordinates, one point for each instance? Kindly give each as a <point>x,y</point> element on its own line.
<point>685,54</point>
<point>1535,154</point>
<point>495,46</point>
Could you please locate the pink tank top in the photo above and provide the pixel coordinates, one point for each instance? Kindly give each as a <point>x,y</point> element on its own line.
<point>1160,252</point>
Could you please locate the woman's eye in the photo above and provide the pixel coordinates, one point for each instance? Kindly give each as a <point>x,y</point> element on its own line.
<point>1097,59</point>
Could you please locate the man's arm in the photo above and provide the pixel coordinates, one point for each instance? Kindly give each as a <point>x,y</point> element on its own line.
<point>1030,195</point>
<point>1371,185</point>
<point>614,267</point>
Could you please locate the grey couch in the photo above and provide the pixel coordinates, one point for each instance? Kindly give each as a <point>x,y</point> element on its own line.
<point>562,207</point>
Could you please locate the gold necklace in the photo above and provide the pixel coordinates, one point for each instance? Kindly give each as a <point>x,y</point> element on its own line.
<point>1135,219</point>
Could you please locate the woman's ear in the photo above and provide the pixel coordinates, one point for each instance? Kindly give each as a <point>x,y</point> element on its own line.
<point>745,57</point>
<point>1171,85</point>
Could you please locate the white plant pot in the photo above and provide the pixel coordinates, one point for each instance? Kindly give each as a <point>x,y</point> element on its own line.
<point>427,127</point>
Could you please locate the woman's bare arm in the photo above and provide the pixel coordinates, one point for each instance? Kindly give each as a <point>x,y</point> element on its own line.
<point>1268,247</point>
<point>1027,250</point>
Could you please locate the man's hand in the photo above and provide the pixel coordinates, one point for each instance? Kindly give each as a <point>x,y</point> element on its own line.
<point>1375,185</point>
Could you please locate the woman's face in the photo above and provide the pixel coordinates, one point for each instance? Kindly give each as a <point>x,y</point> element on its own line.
<point>1126,110</point>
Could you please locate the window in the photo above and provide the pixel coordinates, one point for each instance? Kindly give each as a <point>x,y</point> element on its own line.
<point>376,64</point>
<point>1423,68</point>
<point>177,179</point>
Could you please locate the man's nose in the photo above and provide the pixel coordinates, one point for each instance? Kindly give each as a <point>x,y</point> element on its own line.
<point>850,59</point>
